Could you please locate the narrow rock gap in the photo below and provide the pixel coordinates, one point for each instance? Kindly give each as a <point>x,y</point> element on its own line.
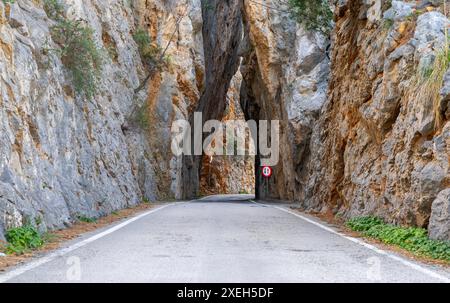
<point>222,34</point>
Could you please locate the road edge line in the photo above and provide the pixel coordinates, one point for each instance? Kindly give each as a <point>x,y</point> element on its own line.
<point>21,269</point>
<point>405,262</point>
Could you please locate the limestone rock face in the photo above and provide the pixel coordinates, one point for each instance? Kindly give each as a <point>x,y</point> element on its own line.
<point>381,145</point>
<point>368,134</point>
<point>285,71</point>
<point>439,227</point>
<point>233,173</point>
<point>363,128</point>
<point>63,156</point>
<point>172,94</point>
<point>222,33</point>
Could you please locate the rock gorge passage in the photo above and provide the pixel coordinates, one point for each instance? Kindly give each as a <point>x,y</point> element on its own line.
<point>364,112</point>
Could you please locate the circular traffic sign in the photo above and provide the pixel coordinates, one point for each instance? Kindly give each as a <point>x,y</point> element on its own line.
<point>267,171</point>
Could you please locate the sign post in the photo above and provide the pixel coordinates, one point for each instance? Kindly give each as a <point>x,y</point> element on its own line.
<point>267,173</point>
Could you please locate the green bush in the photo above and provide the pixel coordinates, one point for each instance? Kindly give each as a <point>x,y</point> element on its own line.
<point>86,219</point>
<point>79,54</point>
<point>54,9</point>
<point>141,117</point>
<point>23,239</point>
<point>364,223</point>
<point>412,239</point>
<point>151,54</point>
<point>142,39</point>
<point>313,14</point>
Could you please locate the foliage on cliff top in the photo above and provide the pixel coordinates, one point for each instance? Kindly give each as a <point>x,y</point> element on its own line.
<point>313,14</point>
<point>412,239</point>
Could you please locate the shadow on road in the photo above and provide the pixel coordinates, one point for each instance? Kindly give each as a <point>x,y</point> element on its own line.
<point>226,198</point>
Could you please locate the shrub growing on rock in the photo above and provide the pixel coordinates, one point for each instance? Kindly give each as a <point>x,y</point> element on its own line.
<point>151,54</point>
<point>78,50</point>
<point>79,54</point>
<point>313,14</point>
<point>54,9</point>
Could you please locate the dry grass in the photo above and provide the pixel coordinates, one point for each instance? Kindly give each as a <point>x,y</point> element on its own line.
<point>430,81</point>
<point>426,85</point>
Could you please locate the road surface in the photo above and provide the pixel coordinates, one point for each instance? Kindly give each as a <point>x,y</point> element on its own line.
<point>221,239</point>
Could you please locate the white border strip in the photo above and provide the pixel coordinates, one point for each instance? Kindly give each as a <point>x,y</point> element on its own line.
<point>405,262</point>
<point>61,252</point>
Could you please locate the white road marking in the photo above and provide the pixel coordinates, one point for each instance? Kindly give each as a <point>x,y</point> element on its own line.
<point>405,262</point>
<point>61,252</point>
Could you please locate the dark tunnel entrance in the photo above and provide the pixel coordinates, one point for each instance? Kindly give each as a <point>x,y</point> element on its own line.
<point>231,78</point>
<point>231,173</point>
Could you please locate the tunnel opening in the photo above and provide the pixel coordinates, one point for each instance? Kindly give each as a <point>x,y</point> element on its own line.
<point>233,172</point>
<point>235,88</point>
<point>222,34</point>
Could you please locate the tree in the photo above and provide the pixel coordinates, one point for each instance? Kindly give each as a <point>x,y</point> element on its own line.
<point>313,14</point>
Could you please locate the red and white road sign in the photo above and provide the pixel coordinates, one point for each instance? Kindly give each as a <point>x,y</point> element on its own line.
<point>267,171</point>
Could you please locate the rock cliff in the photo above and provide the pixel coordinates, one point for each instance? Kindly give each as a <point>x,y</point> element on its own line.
<point>285,70</point>
<point>63,156</point>
<point>365,120</point>
<point>381,145</point>
<point>230,174</point>
<point>364,112</point>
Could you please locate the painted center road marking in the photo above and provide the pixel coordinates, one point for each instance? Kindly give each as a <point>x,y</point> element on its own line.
<point>61,252</point>
<point>405,262</point>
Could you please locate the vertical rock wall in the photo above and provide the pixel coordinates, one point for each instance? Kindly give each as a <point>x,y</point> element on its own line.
<point>382,143</point>
<point>368,134</point>
<point>364,135</point>
<point>64,156</point>
<point>222,34</point>
<point>173,93</point>
<point>230,174</point>
<point>285,70</point>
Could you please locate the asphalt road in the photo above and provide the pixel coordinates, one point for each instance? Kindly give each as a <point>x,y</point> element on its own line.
<point>222,239</point>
